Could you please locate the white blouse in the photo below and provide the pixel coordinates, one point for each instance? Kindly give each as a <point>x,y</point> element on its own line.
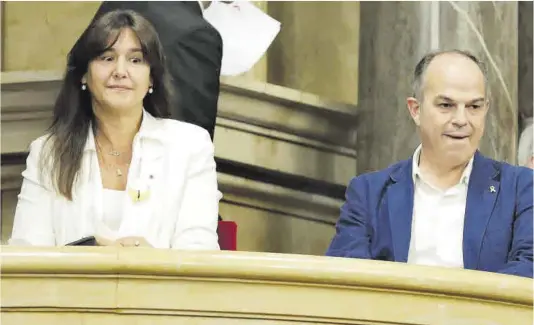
<point>112,212</point>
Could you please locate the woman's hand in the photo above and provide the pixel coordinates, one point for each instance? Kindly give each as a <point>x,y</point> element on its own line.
<point>132,242</point>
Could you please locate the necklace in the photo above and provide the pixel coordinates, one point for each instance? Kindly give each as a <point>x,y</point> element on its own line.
<point>116,167</point>
<point>114,153</point>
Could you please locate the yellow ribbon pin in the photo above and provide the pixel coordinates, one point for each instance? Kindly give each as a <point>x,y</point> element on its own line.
<point>138,195</point>
<point>139,191</point>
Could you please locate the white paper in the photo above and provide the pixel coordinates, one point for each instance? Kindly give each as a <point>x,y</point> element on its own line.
<point>246,32</point>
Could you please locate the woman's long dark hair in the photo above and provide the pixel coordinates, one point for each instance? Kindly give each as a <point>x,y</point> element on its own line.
<point>73,113</point>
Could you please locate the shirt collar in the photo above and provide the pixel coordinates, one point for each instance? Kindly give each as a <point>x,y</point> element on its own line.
<point>149,129</point>
<point>416,172</point>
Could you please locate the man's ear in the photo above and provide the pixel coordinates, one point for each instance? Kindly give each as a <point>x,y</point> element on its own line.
<point>414,109</point>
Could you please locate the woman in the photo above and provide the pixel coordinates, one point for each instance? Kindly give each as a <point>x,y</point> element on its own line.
<point>112,166</point>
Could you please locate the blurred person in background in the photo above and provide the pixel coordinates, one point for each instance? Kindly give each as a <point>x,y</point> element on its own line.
<point>525,150</point>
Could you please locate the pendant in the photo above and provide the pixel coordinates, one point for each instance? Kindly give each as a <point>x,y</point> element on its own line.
<point>119,172</point>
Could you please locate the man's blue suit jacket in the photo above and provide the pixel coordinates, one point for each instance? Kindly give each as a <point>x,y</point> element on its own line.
<point>376,219</point>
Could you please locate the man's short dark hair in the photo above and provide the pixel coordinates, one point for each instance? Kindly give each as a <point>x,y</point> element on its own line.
<point>422,65</point>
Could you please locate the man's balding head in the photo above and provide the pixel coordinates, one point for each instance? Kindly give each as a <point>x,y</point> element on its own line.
<point>450,105</point>
<point>426,61</point>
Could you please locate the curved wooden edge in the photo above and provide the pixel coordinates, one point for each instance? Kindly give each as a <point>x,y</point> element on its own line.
<point>318,270</point>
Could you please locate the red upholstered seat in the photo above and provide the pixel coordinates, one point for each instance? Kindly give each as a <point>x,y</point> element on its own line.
<point>227,231</point>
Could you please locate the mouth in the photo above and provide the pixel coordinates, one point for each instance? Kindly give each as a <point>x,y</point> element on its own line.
<point>119,88</point>
<point>457,136</point>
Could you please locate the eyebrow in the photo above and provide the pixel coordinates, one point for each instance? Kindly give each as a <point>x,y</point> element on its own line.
<point>443,97</point>
<point>481,99</point>
<point>134,50</point>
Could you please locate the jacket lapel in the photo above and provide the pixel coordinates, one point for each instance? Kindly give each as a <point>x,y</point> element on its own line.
<point>400,196</point>
<point>144,176</point>
<point>481,196</point>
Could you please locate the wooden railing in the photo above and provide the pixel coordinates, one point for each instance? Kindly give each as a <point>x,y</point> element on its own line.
<point>99,285</point>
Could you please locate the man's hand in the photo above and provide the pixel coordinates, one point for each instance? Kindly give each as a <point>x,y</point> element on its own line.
<point>132,242</point>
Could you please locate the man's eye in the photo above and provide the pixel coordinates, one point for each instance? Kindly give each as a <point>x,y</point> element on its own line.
<point>445,105</point>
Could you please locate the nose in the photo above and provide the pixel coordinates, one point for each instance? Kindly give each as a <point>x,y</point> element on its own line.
<point>120,69</point>
<point>459,118</point>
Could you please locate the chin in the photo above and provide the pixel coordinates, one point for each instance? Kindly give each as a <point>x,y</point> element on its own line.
<point>121,105</point>
<point>460,157</point>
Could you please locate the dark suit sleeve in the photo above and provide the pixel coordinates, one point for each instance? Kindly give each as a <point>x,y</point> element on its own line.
<point>352,237</point>
<point>195,69</point>
<point>520,255</point>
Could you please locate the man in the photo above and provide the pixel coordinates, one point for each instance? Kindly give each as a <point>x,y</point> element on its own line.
<point>194,52</point>
<point>448,205</point>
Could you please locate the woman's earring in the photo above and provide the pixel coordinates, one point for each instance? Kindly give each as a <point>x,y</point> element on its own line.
<point>150,90</point>
<point>84,86</point>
